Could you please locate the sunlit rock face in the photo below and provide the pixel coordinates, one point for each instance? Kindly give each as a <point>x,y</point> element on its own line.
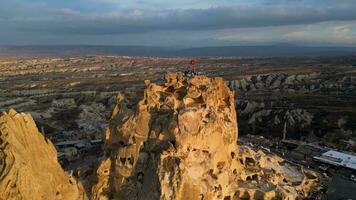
<point>180,142</point>
<point>28,163</point>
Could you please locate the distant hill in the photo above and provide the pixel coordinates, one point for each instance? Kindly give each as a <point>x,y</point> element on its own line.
<point>254,51</point>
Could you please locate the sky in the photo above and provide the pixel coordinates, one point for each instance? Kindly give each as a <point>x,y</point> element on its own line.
<point>178,22</point>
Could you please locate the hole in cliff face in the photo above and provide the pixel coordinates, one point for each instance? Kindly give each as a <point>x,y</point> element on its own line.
<point>232,155</point>
<point>252,178</point>
<point>246,196</point>
<point>199,100</point>
<point>227,101</point>
<point>106,171</point>
<point>140,176</point>
<point>202,87</point>
<point>241,161</point>
<point>227,119</point>
<point>207,117</point>
<point>134,139</point>
<point>181,93</point>
<point>255,177</point>
<point>220,165</point>
<point>227,198</point>
<point>211,173</point>
<point>296,183</point>
<point>122,143</point>
<point>123,161</point>
<point>250,161</point>
<point>235,171</point>
<point>170,89</point>
<point>131,160</point>
<point>282,163</point>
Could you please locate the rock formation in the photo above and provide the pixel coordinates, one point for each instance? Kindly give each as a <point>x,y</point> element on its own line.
<point>180,142</point>
<point>28,163</point>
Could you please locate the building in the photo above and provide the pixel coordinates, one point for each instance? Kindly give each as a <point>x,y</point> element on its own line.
<point>64,144</point>
<point>96,142</point>
<point>338,159</point>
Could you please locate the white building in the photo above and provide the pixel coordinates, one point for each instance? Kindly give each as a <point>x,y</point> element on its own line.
<point>338,159</point>
<point>63,103</point>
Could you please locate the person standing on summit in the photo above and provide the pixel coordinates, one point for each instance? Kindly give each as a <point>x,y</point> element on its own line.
<point>191,73</point>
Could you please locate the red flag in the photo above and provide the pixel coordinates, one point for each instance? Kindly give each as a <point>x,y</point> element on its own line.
<point>193,62</point>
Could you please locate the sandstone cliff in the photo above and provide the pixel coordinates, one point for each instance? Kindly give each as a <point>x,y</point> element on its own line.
<point>180,142</point>
<point>28,163</point>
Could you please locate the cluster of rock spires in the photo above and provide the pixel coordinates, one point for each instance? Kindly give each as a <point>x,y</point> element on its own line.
<point>180,142</point>
<point>305,83</point>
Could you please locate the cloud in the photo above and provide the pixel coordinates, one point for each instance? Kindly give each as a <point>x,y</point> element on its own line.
<point>68,21</point>
<point>325,33</point>
<point>140,19</point>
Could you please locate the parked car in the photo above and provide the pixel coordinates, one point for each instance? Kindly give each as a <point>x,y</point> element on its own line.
<point>353,177</point>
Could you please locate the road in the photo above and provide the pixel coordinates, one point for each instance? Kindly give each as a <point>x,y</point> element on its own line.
<point>341,188</point>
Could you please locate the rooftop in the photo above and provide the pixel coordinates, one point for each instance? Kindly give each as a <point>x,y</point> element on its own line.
<point>338,158</point>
